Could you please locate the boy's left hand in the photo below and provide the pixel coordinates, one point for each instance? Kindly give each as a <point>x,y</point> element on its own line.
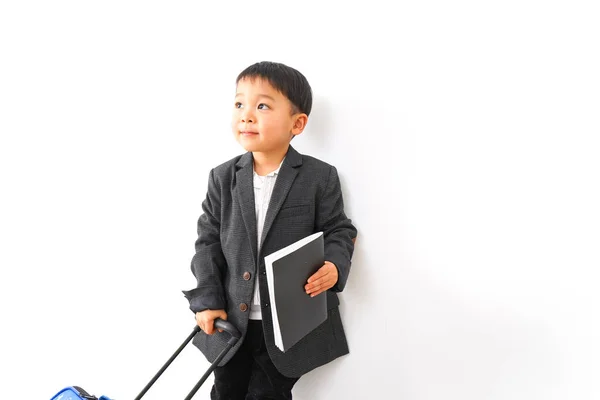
<point>322,280</point>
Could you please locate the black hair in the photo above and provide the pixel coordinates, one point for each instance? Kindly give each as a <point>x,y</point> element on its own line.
<point>290,82</point>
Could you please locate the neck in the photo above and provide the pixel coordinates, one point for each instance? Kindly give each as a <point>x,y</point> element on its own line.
<point>265,163</point>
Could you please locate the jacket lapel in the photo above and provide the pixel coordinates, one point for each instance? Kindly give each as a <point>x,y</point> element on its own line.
<point>284,182</point>
<point>245,195</point>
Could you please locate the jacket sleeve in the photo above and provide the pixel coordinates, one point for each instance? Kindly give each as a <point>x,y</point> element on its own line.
<point>338,231</point>
<point>209,262</point>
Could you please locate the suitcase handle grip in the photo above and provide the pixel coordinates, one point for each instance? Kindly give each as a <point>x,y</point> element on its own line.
<point>227,327</point>
<point>219,324</point>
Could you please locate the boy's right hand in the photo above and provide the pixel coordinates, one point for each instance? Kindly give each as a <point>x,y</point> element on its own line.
<point>206,320</point>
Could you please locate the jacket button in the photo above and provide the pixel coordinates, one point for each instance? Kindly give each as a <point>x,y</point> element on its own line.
<point>243,307</point>
<point>246,276</point>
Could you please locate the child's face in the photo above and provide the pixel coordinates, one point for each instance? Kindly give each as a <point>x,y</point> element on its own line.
<point>262,117</point>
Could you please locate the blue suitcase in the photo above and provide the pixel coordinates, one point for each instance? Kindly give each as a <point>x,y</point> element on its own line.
<point>77,393</point>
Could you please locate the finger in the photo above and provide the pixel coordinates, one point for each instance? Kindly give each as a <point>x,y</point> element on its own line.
<point>311,287</point>
<point>210,328</point>
<point>318,292</point>
<point>204,324</point>
<point>199,322</point>
<point>325,279</point>
<point>323,286</point>
<point>314,277</point>
<point>320,273</point>
<point>315,282</point>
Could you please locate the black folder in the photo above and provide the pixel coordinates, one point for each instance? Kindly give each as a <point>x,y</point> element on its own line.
<point>294,312</point>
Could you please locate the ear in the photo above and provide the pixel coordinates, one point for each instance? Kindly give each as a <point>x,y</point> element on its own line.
<point>300,121</point>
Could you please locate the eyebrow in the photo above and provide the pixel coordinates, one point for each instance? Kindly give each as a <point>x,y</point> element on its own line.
<point>259,95</point>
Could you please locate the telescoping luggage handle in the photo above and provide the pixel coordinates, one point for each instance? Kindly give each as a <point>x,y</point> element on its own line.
<point>219,324</point>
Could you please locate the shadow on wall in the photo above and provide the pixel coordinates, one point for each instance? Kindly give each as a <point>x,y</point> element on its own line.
<point>317,138</point>
<point>432,343</point>
<point>433,339</point>
<point>324,382</point>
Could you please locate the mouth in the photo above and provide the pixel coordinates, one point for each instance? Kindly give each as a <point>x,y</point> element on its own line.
<point>248,133</point>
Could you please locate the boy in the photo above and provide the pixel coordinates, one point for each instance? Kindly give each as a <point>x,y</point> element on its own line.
<point>256,204</point>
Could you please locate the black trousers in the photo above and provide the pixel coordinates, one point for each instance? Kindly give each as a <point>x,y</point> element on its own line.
<point>250,374</point>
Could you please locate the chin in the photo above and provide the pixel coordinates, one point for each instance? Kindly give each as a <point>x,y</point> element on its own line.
<point>248,146</point>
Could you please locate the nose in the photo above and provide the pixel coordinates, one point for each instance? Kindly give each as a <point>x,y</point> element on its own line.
<point>247,117</point>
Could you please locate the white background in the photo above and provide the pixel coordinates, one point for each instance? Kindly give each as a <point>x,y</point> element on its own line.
<point>466,136</point>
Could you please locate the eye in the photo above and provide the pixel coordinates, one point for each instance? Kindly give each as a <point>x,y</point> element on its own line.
<point>238,104</point>
<point>263,106</point>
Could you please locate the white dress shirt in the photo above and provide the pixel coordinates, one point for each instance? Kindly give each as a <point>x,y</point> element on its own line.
<point>263,189</point>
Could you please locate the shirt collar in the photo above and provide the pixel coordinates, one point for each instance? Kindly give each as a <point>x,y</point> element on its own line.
<point>274,173</point>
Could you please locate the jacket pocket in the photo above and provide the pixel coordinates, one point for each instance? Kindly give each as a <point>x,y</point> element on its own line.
<point>293,211</point>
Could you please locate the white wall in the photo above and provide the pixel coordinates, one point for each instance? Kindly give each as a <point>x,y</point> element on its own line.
<point>466,136</point>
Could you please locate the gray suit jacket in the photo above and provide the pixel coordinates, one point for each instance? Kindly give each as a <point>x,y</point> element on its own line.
<point>307,198</point>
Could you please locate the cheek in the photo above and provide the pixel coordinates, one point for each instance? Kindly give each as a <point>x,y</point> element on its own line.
<point>272,125</point>
<point>234,121</point>
<point>264,124</point>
